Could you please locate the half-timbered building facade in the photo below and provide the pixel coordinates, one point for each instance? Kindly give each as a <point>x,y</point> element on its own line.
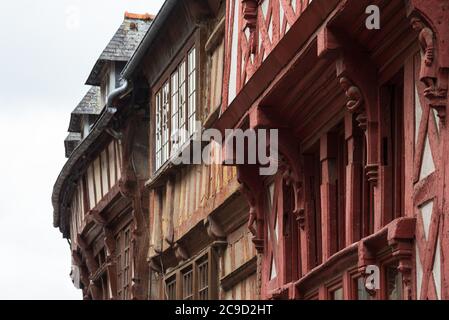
<point>97,202</point>
<point>358,206</point>
<point>362,143</point>
<point>200,247</point>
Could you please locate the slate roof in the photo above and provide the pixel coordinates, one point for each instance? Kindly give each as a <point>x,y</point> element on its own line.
<point>123,44</point>
<point>89,105</point>
<point>71,142</point>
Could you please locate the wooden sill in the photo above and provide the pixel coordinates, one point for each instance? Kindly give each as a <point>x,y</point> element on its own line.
<point>159,177</point>
<point>398,230</point>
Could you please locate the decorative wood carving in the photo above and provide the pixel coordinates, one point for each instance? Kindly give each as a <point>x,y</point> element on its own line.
<point>358,78</point>
<point>155,265</point>
<point>292,181</point>
<point>97,218</point>
<point>91,263</point>
<point>356,105</point>
<point>216,233</point>
<point>289,157</point>
<point>426,37</point>
<point>252,189</point>
<point>398,235</point>
<point>426,19</point>
<point>84,275</point>
<point>354,95</point>
<point>180,252</point>
<point>245,190</point>
<point>428,74</point>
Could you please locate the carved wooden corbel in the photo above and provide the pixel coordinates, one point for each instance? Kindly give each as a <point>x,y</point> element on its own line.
<point>435,91</point>
<point>398,237</point>
<point>357,76</point>
<point>353,94</point>
<point>252,188</point>
<point>404,251</point>
<point>292,181</point>
<point>97,218</point>
<point>255,217</point>
<point>427,19</point>
<point>110,244</point>
<point>366,257</point>
<point>289,158</point>
<point>155,265</point>
<point>216,233</point>
<point>84,276</point>
<point>180,252</point>
<point>401,234</point>
<point>91,263</point>
<point>127,184</point>
<point>355,103</point>
<point>251,198</point>
<point>78,262</point>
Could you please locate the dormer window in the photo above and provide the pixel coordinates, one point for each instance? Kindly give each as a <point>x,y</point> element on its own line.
<point>83,118</point>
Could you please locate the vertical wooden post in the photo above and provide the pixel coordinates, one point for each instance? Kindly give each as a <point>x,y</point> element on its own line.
<point>328,154</point>
<point>386,157</point>
<point>310,239</point>
<point>322,293</point>
<point>347,286</point>
<point>354,171</point>
<point>167,212</point>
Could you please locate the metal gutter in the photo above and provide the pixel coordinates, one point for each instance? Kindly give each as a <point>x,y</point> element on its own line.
<point>100,126</point>
<point>148,39</point>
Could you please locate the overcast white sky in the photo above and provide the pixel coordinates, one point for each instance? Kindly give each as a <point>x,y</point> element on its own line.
<point>45,56</point>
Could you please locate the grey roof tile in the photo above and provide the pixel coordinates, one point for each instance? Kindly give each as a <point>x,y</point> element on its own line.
<point>71,142</point>
<point>122,45</point>
<point>89,105</point>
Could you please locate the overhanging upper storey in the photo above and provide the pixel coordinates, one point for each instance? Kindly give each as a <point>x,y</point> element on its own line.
<point>93,116</point>
<point>262,37</point>
<point>174,60</point>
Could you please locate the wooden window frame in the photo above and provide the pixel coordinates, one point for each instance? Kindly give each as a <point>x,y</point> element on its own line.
<point>312,169</point>
<point>171,282</point>
<point>124,265</point>
<point>182,58</point>
<point>393,146</point>
<point>192,266</point>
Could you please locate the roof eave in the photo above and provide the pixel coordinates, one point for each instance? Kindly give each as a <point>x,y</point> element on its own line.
<point>76,155</point>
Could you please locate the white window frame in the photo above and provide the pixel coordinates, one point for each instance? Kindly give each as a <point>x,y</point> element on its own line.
<point>176,108</point>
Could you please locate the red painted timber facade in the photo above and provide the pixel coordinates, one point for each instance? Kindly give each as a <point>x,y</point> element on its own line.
<point>361,113</point>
